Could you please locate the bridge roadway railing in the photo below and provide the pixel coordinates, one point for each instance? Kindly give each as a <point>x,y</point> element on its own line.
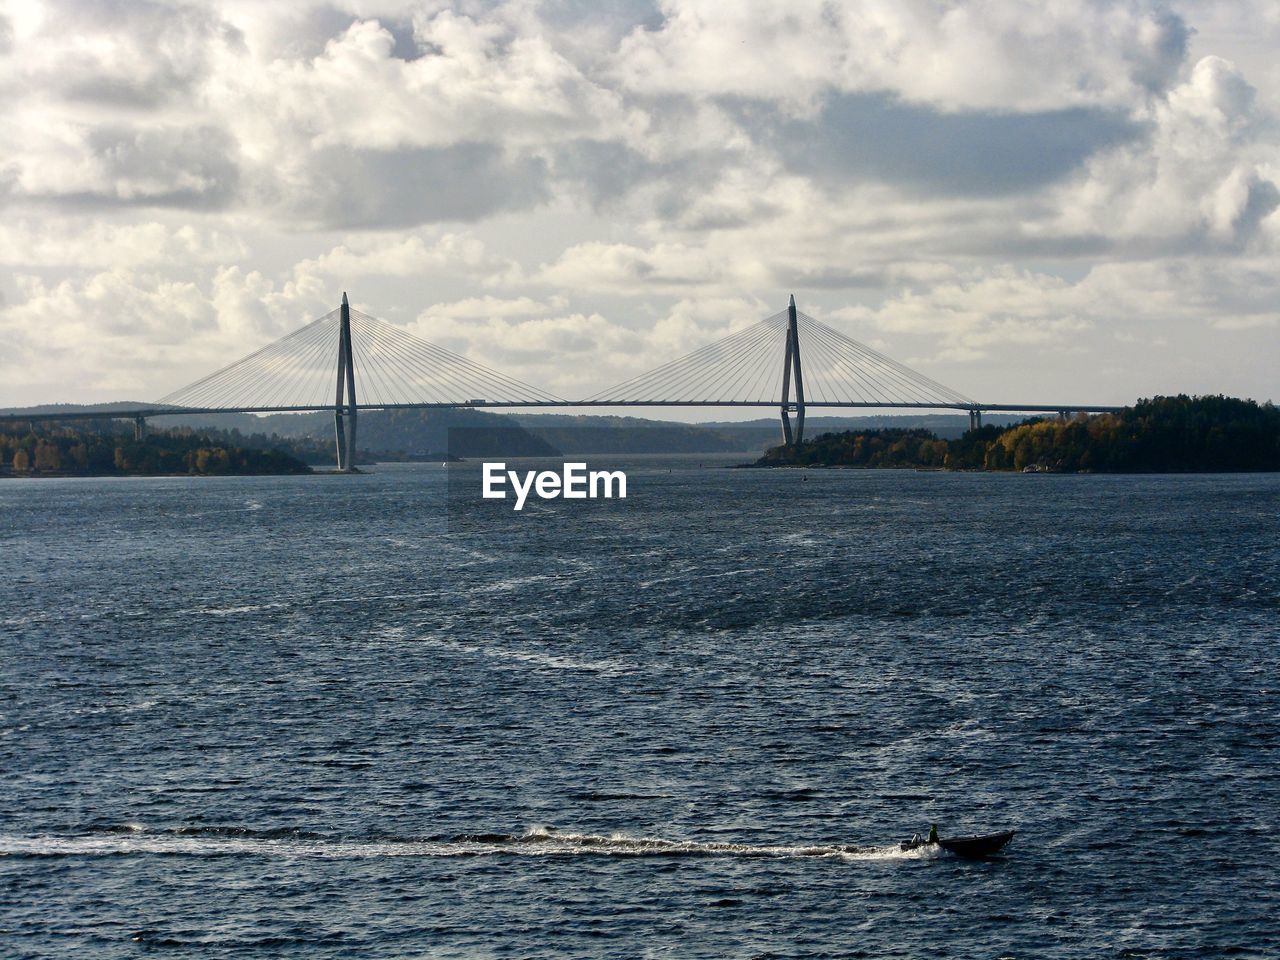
<point>147,413</point>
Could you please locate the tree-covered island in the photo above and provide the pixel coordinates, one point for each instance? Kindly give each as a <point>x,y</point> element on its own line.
<point>1162,435</point>
<point>96,450</point>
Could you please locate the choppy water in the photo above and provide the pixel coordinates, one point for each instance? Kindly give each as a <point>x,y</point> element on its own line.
<point>270,717</point>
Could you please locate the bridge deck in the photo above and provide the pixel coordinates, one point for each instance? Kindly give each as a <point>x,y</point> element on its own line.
<point>149,412</point>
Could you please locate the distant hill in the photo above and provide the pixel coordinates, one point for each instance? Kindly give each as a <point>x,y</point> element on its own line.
<point>411,434</point>
<point>425,434</point>
<point>576,435</point>
<point>383,434</point>
<point>123,405</point>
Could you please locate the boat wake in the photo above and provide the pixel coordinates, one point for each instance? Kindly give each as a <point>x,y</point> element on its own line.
<point>536,842</point>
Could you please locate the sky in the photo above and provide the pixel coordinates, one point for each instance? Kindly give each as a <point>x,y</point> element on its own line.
<point>1073,201</point>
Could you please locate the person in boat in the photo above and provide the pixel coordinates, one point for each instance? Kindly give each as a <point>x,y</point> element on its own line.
<point>917,841</point>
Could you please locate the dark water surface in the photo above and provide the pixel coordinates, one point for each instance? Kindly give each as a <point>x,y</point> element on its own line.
<point>270,717</point>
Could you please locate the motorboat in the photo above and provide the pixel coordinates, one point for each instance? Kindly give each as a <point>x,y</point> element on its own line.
<point>971,848</point>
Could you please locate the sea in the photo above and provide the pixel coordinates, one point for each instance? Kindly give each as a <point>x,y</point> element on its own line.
<point>377,716</point>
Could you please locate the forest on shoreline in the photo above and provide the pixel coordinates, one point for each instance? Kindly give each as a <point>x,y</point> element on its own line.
<point>1181,434</point>
<point>1178,434</point>
<point>81,450</point>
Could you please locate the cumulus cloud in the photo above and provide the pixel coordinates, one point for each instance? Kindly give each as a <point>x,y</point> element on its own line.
<point>695,114</point>
<point>576,353</point>
<point>381,255</point>
<point>1202,174</point>
<point>489,307</point>
<point>372,189</point>
<point>871,136</point>
<point>964,317</point>
<point>134,333</point>
<point>565,352</point>
<point>1002,55</point>
<point>972,183</point>
<point>970,316</point>
<point>667,268</point>
<point>111,55</point>
<point>85,241</point>
<point>102,105</point>
<point>46,330</point>
<point>476,79</point>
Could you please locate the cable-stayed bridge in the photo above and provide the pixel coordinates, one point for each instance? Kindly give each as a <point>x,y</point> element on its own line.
<point>348,361</point>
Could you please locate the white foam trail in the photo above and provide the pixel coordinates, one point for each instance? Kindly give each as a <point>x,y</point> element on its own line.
<point>231,611</point>
<point>512,583</point>
<point>211,611</point>
<point>622,845</point>
<point>539,842</point>
<point>516,658</point>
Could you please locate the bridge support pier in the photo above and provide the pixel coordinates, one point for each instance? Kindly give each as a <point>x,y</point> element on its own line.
<point>790,365</point>
<point>139,428</point>
<point>344,410</point>
<point>975,419</point>
<point>340,439</point>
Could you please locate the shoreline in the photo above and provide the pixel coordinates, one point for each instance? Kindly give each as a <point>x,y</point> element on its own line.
<point>101,474</point>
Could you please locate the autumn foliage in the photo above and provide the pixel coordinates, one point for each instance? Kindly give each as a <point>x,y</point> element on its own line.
<point>1165,435</point>
<point>72,451</point>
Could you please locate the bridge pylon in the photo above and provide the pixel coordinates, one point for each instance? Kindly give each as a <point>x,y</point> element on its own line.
<point>345,434</point>
<point>790,369</point>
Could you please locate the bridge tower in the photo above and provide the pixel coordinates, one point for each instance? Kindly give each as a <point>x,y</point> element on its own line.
<point>790,364</point>
<point>345,438</point>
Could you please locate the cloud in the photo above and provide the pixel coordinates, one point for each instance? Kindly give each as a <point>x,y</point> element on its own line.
<point>458,133</point>
<point>974,182</point>
<point>131,333</point>
<point>489,307</point>
<point>380,255</point>
<point>620,267</point>
<point>79,167</point>
<point>861,136</point>
<point>48,327</point>
<point>107,100</point>
<point>84,241</point>
<point>576,353</point>
<point>1202,176</point>
<point>478,78</point>
<point>1000,55</point>
<point>963,318</point>
<point>112,54</point>
<point>562,352</point>
<point>1246,323</point>
<point>391,115</point>
<point>364,189</point>
<point>988,311</point>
